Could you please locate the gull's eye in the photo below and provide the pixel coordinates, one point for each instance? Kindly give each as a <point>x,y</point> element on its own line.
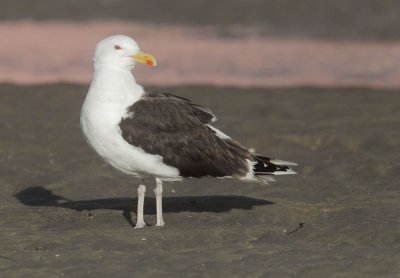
<point>117,47</point>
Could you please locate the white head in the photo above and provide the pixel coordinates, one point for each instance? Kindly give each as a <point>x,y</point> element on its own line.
<point>120,51</point>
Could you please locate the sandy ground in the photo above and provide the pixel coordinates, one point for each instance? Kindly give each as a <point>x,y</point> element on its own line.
<point>48,52</point>
<point>64,213</point>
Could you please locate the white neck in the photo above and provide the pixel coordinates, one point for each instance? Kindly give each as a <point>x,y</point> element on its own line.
<point>114,84</point>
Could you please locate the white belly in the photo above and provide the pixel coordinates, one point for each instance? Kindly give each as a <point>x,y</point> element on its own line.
<point>100,125</point>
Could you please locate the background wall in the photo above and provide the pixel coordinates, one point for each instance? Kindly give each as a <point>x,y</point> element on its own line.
<point>230,43</point>
<point>341,19</point>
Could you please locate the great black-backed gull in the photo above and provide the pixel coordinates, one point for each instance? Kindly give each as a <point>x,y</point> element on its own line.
<point>151,134</point>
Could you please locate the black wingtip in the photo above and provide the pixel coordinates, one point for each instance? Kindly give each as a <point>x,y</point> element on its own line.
<point>265,166</point>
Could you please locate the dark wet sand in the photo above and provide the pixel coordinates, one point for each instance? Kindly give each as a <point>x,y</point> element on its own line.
<point>63,212</point>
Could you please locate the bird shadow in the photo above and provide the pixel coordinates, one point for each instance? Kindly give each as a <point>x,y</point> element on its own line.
<point>40,196</point>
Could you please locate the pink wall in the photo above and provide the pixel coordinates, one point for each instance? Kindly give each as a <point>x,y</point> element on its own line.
<point>32,53</point>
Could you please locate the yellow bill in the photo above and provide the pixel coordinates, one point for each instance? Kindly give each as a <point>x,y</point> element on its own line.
<point>145,58</point>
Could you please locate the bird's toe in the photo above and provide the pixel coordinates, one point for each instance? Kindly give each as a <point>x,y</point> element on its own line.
<point>160,223</point>
<point>140,225</point>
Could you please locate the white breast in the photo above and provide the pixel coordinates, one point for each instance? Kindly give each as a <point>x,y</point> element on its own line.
<point>101,114</point>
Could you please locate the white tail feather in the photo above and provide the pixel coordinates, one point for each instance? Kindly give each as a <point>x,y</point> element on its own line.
<point>283,162</point>
<point>265,179</point>
<point>287,172</point>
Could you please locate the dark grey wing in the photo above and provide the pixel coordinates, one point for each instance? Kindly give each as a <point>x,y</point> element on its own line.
<point>204,114</point>
<point>175,129</point>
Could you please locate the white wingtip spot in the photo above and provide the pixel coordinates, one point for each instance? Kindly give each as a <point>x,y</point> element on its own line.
<point>283,162</point>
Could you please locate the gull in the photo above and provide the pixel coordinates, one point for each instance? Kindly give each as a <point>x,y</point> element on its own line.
<point>158,135</point>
